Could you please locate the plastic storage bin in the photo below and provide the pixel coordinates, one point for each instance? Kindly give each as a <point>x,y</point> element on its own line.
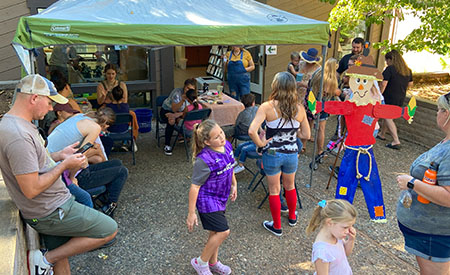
<point>144,118</point>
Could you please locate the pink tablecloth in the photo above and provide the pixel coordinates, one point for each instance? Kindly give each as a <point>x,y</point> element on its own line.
<point>225,114</point>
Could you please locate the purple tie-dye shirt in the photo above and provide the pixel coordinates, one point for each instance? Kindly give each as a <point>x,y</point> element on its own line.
<point>213,194</point>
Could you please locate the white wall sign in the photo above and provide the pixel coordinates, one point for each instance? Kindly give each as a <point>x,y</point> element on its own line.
<point>271,49</point>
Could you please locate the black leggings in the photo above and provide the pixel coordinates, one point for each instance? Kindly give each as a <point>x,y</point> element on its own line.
<point>169,128</point>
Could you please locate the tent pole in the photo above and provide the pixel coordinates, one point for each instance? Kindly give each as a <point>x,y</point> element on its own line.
<point>316,128</point>
<point>32,70</point>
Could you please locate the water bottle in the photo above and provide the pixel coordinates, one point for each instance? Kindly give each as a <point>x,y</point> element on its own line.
<point>429,177</point>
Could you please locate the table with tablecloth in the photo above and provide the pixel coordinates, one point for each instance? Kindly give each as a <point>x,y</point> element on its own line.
<point>224,114</point>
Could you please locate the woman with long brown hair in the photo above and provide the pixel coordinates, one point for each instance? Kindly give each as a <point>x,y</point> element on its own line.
<point>397,77</point>
<point>330,90</point>
<point>104,88</point>
<point>285,121</point>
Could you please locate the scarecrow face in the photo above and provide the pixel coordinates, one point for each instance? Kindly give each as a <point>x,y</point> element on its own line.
<point>360,87</point>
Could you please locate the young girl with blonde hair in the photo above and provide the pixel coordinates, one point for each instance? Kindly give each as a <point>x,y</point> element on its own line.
<point>336,237</point>
<point>213,182</point>
<point>330,90</point>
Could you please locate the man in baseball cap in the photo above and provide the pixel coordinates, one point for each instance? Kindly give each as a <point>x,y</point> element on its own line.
<point>38,85</point>
<point>33,179</point>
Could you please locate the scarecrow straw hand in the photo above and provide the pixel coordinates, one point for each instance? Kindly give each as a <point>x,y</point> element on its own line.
<point>411,108</point>
<point>312,103</point>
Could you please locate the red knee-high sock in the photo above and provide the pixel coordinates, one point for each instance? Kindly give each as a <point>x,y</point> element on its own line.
<point>275,209</point>
<point>291,200</point>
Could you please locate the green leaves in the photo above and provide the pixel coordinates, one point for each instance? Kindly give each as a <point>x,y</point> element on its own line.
<point>432,35</point>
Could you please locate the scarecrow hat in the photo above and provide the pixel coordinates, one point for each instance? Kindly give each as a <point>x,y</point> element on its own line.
<point>311,56</point>
<point>365,68</point>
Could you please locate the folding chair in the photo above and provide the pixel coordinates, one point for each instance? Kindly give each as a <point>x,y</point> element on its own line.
<point>126,135</point>
<point>266,190</point>
<point>159,102</point>
<point>237,137</point>
<point>201,114</point>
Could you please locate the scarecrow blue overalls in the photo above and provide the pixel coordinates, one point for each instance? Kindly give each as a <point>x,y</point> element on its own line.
<point>238,77</point>
<point>359,165</point>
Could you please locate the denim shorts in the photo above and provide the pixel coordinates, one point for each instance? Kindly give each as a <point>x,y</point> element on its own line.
<point>276,162</point>
<point>435,248</point>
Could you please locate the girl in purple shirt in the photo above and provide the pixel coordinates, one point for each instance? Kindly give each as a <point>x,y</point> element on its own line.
<point>213,182</point>
<point>336,237</point>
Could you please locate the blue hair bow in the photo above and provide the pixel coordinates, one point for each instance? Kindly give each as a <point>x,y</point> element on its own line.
<point>322,203</point>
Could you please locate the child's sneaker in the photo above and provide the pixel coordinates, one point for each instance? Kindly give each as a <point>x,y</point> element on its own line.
<point>238,169</point>
<point>201,270</point>
<point>269,226</point>
<point>220,268</point>
<point>168,150</point>
<point>36,264</point>
<point>293,222</point>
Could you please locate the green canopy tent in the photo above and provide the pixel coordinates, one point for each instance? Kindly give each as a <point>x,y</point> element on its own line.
<point>167,23</point>
<point>172,22</point>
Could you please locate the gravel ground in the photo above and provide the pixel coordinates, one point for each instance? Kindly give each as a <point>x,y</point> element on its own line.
<point>153,238</point>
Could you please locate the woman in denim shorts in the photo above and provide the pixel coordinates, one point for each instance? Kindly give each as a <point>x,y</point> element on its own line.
<point>426,226</point>
<point>285,121</point>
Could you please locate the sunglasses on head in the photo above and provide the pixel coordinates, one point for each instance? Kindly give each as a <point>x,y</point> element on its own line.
<point>447,97</point>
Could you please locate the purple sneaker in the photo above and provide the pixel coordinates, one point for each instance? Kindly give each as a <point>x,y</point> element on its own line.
<point>201,270</point>
<point>220,268</point>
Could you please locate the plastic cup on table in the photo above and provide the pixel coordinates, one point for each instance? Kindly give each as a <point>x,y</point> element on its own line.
<point>299,77</point>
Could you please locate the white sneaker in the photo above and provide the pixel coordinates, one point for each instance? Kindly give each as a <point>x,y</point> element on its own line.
<point>36,265</point>
<point>235,163</point>
<point>168,150</point>
<point>238,169</point>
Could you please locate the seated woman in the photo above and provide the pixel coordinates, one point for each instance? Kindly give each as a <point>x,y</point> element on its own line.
<point>84,128</point>
<point>104,88</point>
<point>63,88</point>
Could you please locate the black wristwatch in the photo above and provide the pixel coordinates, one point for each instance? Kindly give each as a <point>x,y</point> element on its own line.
<point>410,183</point>
<point>259,150</point>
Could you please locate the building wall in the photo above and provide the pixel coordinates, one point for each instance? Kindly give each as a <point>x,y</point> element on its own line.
<point>10,12</point>
<point>314,9</point>
<point>308,8</point>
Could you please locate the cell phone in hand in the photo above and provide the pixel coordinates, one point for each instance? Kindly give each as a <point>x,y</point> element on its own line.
<point>84,148</point>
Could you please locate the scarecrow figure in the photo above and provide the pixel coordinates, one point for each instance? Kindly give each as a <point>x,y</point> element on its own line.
<point>361,113</point>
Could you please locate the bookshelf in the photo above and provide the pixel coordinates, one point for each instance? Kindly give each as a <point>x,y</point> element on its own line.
<point>215,63</point>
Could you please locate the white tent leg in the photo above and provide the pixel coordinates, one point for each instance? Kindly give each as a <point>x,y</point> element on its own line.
<point>316,128</point>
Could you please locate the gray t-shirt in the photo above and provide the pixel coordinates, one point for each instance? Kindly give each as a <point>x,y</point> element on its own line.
<point>428,218</point>
<point>22,152</point>
<point>175,97</point>
<point>201,172</point>
<point>244,120</point>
